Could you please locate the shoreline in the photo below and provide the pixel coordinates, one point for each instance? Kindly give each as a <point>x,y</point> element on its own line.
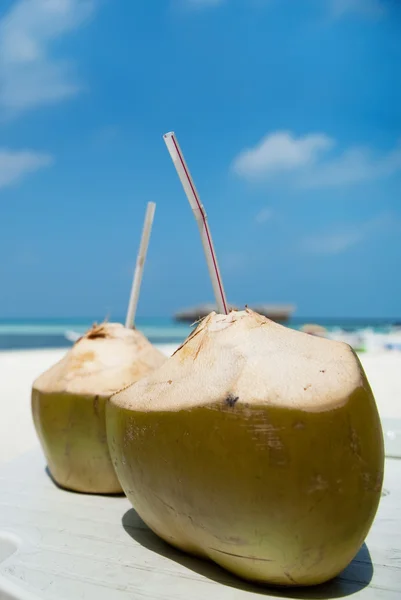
<point>19,368</point>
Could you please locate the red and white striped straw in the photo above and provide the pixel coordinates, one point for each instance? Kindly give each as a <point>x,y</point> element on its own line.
<point>201,218</point>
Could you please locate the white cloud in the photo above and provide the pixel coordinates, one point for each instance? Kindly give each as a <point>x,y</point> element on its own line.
<point>15,165</point>
<point>280,151</point>
<point>232,261</point>
<point>202,3</point>
<point>370,8</point>
<point>355,165</point>
<point>341,239</point>
<point>105,135</point>
<point>29,75</point>
<point>264,215</point>
<point>26,257</point>
<point>308,160</point>
<point>334,242</point>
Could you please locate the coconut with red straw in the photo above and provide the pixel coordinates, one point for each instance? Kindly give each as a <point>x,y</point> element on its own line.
<point>68,400</point>
<point>254,445</point>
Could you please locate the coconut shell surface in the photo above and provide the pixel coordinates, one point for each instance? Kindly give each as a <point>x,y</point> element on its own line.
<point>255,446</point>
<point>68,404</point>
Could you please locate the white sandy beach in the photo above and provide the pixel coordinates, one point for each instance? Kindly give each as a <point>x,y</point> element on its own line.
<point>18,369</point>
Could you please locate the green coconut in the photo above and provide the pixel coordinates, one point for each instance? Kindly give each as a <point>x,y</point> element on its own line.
<point>255,446</point>
<point>69,400</point>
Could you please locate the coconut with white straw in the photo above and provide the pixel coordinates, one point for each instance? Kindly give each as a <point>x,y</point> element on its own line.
<point>69,400</point>
<point>254,445</point>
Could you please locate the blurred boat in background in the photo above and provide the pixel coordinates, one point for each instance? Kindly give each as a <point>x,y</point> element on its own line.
<point>280,313</point>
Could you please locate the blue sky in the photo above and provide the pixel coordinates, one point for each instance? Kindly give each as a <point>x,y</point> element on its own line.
<point>289,117</point>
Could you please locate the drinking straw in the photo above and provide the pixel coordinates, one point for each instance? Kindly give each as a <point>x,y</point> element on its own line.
<point>201,219</point>
<point>140,262</point>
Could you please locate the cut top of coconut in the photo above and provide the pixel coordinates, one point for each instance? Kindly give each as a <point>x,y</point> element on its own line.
<point>246,357</point>
<point>106,359</point>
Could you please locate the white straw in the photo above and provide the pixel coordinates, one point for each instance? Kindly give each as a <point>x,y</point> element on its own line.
<point>201,218</point>
<point>140,262</point>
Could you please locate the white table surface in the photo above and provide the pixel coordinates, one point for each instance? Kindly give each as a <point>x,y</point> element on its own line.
<point>65,546</point>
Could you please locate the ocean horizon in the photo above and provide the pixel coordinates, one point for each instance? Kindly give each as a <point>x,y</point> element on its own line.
<point>35,333</point>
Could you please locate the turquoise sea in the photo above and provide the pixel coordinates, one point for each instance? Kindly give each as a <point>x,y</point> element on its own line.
<point>56,333</point>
